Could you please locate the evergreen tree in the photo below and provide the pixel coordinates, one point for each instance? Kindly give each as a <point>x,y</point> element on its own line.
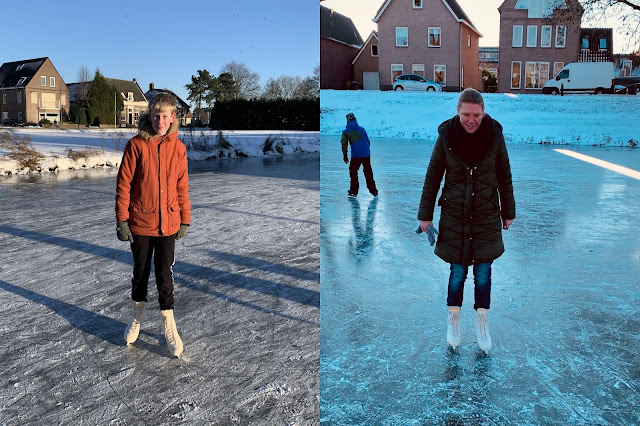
<point>101,99</point>
<point>198,89</point>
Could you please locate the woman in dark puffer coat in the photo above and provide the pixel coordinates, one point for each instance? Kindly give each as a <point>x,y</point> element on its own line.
<point>476,204</point>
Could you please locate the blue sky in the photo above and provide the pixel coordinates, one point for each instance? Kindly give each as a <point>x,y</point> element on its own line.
<point>165,42</point>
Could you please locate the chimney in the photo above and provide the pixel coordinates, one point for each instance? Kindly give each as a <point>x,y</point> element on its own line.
<point>134,80</point>
<point>150,86</point>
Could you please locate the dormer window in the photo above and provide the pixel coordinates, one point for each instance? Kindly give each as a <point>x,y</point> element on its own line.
<point>130,96</point>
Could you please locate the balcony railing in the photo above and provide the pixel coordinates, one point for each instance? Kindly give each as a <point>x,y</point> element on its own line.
<point>594,56</point>
<point>48,105</point>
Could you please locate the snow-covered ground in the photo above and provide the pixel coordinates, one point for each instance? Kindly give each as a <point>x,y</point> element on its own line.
<point>247,301</point>
<point>609,120</point>
<point>109,144</point>
<point>565,303</point>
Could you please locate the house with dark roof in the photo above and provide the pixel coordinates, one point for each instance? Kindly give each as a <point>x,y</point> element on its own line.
<point>365,64</point>
<point>435,39</point>
<point>339,44</point>
<point>32,90</point>
<point>183,108</point>
<point>135,103</point>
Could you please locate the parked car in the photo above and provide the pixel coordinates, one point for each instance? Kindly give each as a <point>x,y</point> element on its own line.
<point>631,89</point>
<point>9,122</point>
<point>415,82</point>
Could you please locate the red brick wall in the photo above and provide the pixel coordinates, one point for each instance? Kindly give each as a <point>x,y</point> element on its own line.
<point>365,62</point>
<point>335,64</point>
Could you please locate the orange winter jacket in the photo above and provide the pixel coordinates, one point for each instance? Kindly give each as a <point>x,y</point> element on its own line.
<point>152,188</point>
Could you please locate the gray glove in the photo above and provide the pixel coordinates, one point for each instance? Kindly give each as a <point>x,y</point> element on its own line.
<point>124,233</point>
<point>182,231</point>
<point>431,234</point>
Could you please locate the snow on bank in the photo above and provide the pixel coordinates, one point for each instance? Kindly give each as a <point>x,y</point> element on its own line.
<point>203,144</point>
<point>609,120</point>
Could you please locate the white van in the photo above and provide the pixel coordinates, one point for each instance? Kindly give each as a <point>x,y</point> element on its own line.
<point>582,77</point>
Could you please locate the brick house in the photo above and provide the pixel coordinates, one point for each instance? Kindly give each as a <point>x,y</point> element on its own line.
<point>184,111</point>
<point>365,64</point>
<point>32,90</point>
<point>340,42</point>
<point>135,103</point>
<point>434,38</point>
<point>536,41</point>
<point>596,45</point>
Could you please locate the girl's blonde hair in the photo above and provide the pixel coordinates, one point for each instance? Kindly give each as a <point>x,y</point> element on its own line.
<point>163,102</point>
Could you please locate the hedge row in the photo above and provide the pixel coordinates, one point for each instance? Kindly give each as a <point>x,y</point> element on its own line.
<point>258,114</point>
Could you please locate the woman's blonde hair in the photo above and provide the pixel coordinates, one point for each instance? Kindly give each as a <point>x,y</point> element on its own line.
<point>162,102</point>
<point>471,96</point>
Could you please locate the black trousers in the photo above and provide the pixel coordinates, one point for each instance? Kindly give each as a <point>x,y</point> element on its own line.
<point>354,165</point>
<point>161,249</point>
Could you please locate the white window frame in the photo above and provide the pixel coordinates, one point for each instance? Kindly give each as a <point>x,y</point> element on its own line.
<point>21,81</point>
<point>561,43</point>
<point>545,35</point>
<point>434,30</point>
<point>417,68</point>
<point>376,46</point>
<point>519,74</point>
<point>407,30</point>
<point>557,66</point>
<point>52,82</point>
<point>532,36</point>
<point>130,96</point>
<point>517,38</point>
<point>418,5</point>
<point>445,73</point>
<point>537,69</point>
<point>401,66</point>
<point>43,81</point>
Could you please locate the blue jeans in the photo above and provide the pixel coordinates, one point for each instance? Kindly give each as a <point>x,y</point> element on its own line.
<point>482,279</point>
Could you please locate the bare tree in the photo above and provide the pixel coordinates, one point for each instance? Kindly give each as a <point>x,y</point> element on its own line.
<point>247,82</point>
<point>84,77</point>
<point>283,87</point>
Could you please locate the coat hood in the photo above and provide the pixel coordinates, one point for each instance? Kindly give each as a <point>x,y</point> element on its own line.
<point>146,131</point>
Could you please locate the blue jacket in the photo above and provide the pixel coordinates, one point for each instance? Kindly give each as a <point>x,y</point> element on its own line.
<point>355,136</point>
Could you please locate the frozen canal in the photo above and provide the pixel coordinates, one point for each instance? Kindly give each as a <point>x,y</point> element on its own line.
<point>247,302</point>
<point>565,302</point>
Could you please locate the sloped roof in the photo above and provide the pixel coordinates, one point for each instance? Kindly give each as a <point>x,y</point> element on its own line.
<point>150,94</point>
<point>12,72</point>
<point>122,86</point>
<point>453,6</point>
<point>337,27</point>
<point>374,34</point>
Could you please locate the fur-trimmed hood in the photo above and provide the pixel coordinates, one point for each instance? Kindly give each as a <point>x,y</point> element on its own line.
<point>145,128</point>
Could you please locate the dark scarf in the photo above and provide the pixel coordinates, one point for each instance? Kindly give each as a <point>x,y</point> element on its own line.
<point>471,147</point>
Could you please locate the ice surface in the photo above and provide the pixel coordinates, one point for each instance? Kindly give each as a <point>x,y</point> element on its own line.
<point>247,301</point>
<point>565,302</point>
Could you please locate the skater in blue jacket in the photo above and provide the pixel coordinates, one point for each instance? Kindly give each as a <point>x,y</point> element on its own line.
<point>356,136</point>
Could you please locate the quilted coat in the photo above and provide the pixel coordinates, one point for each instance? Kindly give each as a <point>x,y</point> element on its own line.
<point>476,195</point>
<point>152,188</point>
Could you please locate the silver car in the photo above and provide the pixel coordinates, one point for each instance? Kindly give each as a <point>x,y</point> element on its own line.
<point>415,82</point>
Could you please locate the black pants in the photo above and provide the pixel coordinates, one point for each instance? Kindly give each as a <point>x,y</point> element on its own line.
<point>354,165</point>
<point>161,249</point>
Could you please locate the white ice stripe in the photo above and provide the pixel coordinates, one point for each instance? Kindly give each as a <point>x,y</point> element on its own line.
<point>635,174</point>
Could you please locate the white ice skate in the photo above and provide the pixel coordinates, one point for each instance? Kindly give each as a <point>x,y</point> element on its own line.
<point>174,342</point>
<point>133,329</point>
<point>453,327</point>
<point>482,329</point>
